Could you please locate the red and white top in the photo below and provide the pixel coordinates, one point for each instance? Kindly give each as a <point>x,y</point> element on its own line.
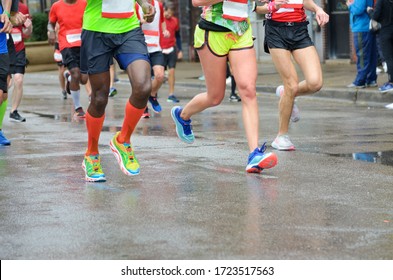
<point>236,10</point>
<point>152,30</point>
<point>17,32</point>
<point>293,11</point>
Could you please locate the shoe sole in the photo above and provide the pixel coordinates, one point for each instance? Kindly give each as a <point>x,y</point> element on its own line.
<point>120,161</point>
<point>385,91</point>
<point>277,147</point>
<point>179,127</point>
<point>14,120</point>
<point>156,111</point>
<point>268,162</point>
<point>91,179</point>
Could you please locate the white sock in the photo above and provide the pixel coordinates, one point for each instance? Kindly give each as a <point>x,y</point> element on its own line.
<point>76,98</point>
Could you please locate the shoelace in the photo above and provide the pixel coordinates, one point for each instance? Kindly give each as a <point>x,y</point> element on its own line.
<point>262,149</point>
<point>95,161</point>
<point>129,152</point>
<point>187,127</point>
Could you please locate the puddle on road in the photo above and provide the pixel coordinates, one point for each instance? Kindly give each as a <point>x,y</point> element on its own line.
<point>385,157</point>
<point>57,117</point>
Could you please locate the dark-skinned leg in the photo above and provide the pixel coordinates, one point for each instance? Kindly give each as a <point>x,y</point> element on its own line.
<point>140,78</point>
<point>96,111</point>
<point>139,73</point>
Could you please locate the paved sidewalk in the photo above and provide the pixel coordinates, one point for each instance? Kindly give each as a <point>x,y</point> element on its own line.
<point>337,75</point>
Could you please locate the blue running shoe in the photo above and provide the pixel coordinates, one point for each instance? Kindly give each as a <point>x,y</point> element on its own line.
<point>386,87</point>
<point>173,99</point>
<point>154,104</point>
<point>183,128</point>
<point>259,160</point>
<point>4,141</point>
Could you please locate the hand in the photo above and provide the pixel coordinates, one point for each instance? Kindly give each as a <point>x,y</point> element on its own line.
<point>18,19</point>
<point>278,3</point>
<point>180,55</point>
<point>321,17</point>
<point>51,37</point>
<point>148,12</point>
<point>166,33</point>
<point>28,23</point>
<point>349,2</point>
<point>7,24</point>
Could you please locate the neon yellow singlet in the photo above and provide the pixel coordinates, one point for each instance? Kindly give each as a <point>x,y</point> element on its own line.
<point>94,21</point>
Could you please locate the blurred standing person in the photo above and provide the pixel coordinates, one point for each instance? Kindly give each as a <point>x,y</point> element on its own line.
<point>224,33</point>
<point>383,13</point>
<point>365,44</point>
<point>5,27</point>
<point>60,66</point>
<point>19,34</point>
<point>69,15</point>
<point>112,72</point>
<point>233,96</point>
<point>287,37</point>
<point>112,29</point>
<point>153,31</point>
<point>172,49</point>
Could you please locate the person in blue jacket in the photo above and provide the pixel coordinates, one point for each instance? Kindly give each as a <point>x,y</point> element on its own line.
<point>365,43</point>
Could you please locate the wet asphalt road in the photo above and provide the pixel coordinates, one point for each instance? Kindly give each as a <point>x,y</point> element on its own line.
<point>196,201</point>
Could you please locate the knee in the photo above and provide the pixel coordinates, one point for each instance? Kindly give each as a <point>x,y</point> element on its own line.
<point>315,85</point>
<point>247,91</point>
<point>75,75</point>
<point>83,79</point>
<point>159,78</point>
<point>216,101</point>
<point>18,80</point>
<point>99,101</point>
<point>142,88</point>
<point>292,89</point>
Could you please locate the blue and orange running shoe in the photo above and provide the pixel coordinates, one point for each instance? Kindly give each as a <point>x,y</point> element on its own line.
<point>92,166</point>
<point>125,156</point>
<point>183,127</point>
<point>259,160</point>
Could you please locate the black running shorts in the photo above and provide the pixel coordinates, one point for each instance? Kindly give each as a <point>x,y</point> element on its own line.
<point>71,57</point>
<point>287,36</point>
<point>4,70</point>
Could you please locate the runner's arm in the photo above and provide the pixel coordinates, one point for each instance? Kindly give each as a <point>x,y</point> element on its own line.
<point>5,16</point>
<point>320,15</point>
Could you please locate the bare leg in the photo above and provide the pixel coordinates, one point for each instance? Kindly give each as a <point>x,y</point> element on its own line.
<point>17,92</point>
<point>244,67</point>
<point>171,80</point>
<point>99,93</point>
<point>214,68</point>
<point>61,77</point>
<point>310,65</point>
<point>140,78</point>
<point>158,79</point>
<point>285,67</point>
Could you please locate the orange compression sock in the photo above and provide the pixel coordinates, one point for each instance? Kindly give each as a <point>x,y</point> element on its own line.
<point>131,119</point>
<point>94,127</point>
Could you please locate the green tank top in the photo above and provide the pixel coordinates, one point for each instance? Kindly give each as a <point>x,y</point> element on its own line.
<point>213,13</point>
<point>94,21</point>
